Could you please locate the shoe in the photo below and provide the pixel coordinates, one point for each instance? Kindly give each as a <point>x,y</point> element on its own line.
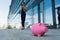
<point>22,28</point>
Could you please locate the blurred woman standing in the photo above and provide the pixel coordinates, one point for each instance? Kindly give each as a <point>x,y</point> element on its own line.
<point>23,15</point>
<point>58,12</point>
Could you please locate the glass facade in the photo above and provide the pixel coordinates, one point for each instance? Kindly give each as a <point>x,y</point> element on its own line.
<point>41,12</point>
<point>30,2</point>
<point>35,14</point>
<point>48,12</point>
<point>32,14</point>
<point>28,17</point>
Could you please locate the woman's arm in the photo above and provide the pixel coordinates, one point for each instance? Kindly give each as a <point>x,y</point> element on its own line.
<point>24,8</point>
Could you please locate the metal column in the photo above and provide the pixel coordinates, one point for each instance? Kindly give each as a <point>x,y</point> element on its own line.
<point>43,11</point>
<point>53,13</point>
<point>39,13</point>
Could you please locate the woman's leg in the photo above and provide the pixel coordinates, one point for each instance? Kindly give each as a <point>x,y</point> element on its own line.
<point>59,19</point>
<point>23,16</point>
<point>58,22</point>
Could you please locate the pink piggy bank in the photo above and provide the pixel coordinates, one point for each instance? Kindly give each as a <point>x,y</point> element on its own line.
<point>39,29</point>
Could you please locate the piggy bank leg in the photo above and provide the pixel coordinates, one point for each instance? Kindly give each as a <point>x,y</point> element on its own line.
<point>35,35</point>
<point>42,34</point>
<point>39,35</point>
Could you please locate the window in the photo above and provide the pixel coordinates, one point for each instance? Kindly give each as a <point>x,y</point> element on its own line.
<point>28,18</point>
<point>48,12</point>
<point>36,14</point>
<point>41,12</point>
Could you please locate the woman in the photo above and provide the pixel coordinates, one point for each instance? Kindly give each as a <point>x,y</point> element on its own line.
<point>58,8</point>
<point>23,15</point>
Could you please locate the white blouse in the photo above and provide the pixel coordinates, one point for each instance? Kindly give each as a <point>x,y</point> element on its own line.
<point>24,8</point>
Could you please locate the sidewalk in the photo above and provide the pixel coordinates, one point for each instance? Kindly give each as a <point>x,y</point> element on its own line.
<point>16,34</point>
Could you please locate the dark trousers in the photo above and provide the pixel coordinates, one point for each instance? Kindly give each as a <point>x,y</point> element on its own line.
<point>23,16</point>
<point>59,19</point>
